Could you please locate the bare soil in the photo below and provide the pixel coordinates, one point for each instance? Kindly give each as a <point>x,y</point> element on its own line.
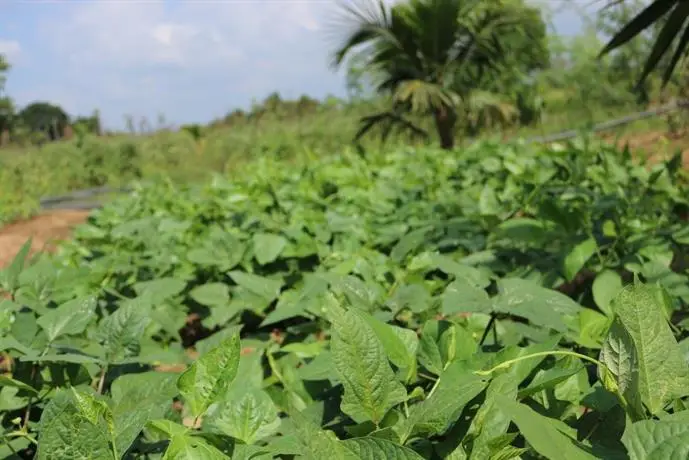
<point>653,141</point>
<point>45,229</point>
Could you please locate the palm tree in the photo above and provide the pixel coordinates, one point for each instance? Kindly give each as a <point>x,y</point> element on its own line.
<point>675,15</point>
<point>430,56</point>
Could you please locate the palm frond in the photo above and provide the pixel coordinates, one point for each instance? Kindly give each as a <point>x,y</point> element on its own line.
<point>422,96</point>
<point>389,122</point>
<point>489,109</point>
<point>676,28</point>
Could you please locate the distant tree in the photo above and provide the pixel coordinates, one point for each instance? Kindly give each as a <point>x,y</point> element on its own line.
<point>7,114</point>
<point>434,56</point>
<point>527,47</point>
<point>90,124</point>
<point>4,67</point>
<point>45,118</point>
<point>129,123</point>
<point>7,109</point>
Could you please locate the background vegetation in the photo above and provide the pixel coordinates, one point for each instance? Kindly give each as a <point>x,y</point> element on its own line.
<point>421,301</point>
<point>526,80</point>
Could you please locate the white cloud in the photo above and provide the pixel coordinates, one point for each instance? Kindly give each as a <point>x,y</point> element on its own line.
<point>190,57</point>
<point>188,33</point>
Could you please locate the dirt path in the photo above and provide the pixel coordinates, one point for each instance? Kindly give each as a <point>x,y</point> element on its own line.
<point>45,229</point>
<point>655,141</point>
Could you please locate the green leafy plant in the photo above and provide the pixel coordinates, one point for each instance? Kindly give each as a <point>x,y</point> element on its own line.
<point>506,301</point>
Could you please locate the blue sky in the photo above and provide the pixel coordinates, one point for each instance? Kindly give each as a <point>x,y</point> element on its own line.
<point>191,60</point>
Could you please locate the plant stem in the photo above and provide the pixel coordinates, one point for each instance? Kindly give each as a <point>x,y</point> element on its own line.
<point>508,363</point>
<point>101,382</point>
<point>27,412</point>
<point>490,324</point>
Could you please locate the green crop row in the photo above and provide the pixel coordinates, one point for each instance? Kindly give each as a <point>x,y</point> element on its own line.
<point>28,174</point>
<point>496,302</point>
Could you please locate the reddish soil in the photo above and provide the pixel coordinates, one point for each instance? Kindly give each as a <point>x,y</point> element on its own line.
<point>654,141</point>
<point>45,229</point>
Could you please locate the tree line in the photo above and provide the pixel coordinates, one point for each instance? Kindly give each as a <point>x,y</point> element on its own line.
<point>449,68</point>
<point>39,121</point>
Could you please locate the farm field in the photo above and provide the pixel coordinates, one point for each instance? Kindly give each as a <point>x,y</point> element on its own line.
<point>497,301</point>
<point>49,226</point>
<point>410,269</point>
<point>30,173</point>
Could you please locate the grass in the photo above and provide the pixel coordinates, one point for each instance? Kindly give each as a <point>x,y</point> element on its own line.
<point>27,174</point>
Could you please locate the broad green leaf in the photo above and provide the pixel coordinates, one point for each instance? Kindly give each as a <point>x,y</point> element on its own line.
<point>592,328</point>
<point>461,271</point>
<point>265,288</point>
<point>211,294</point>
<point>64,358</point>
<point>160,289</point>
<point>187,447</point>
<point>663,374</point>
<point>314,443</point>
<point>360,295</point>
<point>578,257</point>
<point>64,432</point>
<point>415,297</point>
<point>8,449</point>
<point>458,453</point>
<point>69,318</point>
<point>11,343</point>
<point>621,362</point>
<point>6,381</point>
<point>297,302</point>
<point>523,230</point>
<point>207,344</point>
<point>9,276</point>
<point>408,243</point>
<point>137,399</point>
<point>520,370</point>
<point>401,352</point>
<point>94,409</point>
<point>541,432</point>
<point>167,428</point>
<point>320,368</point>
<point>7,316</point>
<point>268,247</point>
<point>443,342</point>
<point>490,421</point>
<point>455,388</point>
<point>372,448</point>
<point>550,378</point>
<point>209,377</point>
<point>605,287</point>
<point>370,387</point>
<point>305,350</point>
<point>681,236</point>
<point>120,333</point>
<point>245,414</point>
<point>541,306</point>
<point>659,439</point>
<point>488,203</point>
<point>463,297</point>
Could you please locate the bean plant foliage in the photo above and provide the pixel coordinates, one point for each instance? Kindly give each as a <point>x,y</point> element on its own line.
<point>496,302</point>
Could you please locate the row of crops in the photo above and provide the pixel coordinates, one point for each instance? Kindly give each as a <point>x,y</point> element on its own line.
<point>499,302</point>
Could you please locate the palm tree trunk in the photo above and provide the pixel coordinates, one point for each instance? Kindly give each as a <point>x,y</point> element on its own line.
<point>445,120</point>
